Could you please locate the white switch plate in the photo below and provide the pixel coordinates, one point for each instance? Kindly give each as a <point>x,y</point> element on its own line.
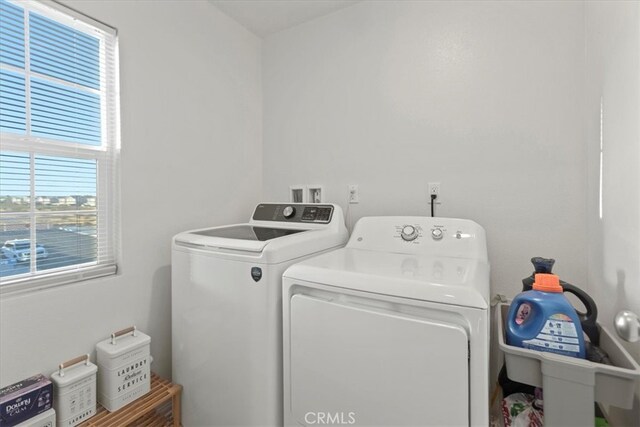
<point>434,188</point>
<point>354,194</point>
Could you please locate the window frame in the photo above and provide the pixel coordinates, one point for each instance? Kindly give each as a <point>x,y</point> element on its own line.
<point>106,154</point>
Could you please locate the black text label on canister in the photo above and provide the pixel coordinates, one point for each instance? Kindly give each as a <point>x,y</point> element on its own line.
<point>256,273</point>
<point>132,375</point>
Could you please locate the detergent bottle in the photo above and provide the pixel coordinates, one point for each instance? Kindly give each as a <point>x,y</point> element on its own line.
<point>543,319</point>
<point>589,317</point>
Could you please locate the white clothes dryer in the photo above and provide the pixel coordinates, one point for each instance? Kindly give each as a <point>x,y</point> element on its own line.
<point>391,330</point>
<point>227,310</point>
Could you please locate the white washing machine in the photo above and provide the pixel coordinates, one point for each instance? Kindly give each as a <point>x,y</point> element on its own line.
<point>391,330</point>
<point>227,310</point>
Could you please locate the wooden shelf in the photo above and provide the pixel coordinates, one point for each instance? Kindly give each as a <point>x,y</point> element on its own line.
<point>158,408</point>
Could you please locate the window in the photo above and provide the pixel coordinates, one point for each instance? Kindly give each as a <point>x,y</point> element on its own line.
<point>59,145</point>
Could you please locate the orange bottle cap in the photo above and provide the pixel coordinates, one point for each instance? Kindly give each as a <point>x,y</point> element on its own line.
<point>547,283</point>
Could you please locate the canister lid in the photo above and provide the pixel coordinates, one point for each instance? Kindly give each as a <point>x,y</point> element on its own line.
<point>74,374</point>
<point>123,344</point>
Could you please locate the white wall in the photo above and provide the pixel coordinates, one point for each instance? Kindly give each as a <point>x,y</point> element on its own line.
<point>484,97</point>
<point>613,81</point>
<point>191,115</point>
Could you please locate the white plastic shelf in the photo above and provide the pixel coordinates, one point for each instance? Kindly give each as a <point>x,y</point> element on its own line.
<point>571,385</point>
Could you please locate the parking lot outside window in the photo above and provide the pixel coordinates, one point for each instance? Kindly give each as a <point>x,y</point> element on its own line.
<point>59,131</point>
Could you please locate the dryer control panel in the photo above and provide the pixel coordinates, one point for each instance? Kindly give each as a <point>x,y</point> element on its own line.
<point>411,232</point>
<point>421,235</point>
<point>293,212</point>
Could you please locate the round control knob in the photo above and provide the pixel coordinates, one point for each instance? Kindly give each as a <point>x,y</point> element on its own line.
<point>437,234</point>
<point>409,233</point>
<point>289,211</point>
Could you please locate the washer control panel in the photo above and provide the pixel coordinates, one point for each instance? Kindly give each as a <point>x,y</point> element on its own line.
<point>294,212</point>
<point>317,214</point>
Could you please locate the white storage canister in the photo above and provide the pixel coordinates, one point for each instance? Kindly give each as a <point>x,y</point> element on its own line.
<point>74,391</point>
<point>45,419</point>
<point>124,372</point>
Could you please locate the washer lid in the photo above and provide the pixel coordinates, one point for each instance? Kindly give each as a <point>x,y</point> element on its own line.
<point>447,280</point>
<point>239,237</point>
<point>247,232</point>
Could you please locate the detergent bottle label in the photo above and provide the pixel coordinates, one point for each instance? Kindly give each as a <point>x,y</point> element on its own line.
<point>559,335</point>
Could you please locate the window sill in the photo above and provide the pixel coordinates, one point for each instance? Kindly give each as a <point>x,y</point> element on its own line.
<point>30,284</point>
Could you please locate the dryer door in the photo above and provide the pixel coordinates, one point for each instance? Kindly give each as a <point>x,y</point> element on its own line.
<point>360,365</point>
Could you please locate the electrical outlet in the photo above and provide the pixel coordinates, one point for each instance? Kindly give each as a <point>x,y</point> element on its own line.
<point>354,194</point>
<point>434,188</point>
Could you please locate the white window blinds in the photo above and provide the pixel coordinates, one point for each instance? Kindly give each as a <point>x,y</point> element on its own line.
<point>59,135</point>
